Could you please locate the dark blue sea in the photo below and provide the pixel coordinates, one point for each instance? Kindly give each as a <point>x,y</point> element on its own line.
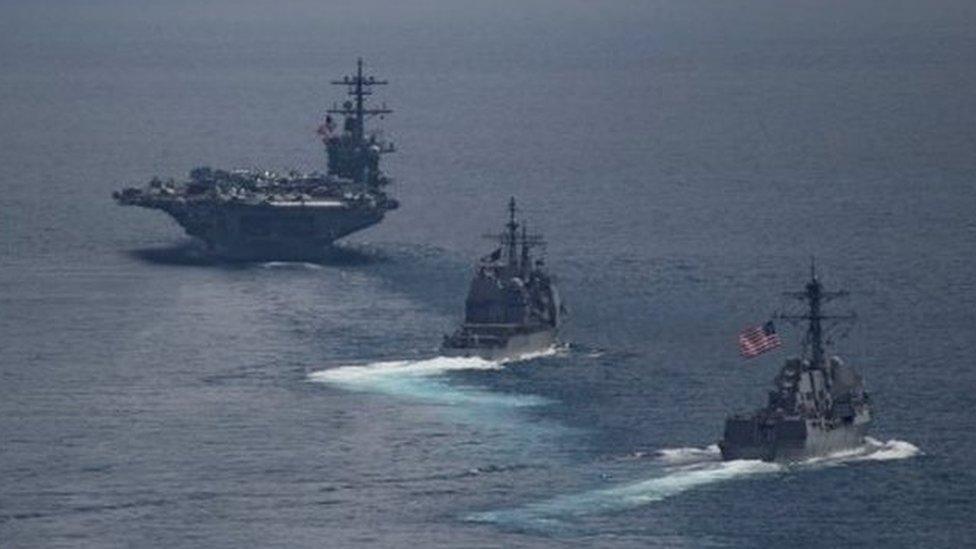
<point>685,159</point>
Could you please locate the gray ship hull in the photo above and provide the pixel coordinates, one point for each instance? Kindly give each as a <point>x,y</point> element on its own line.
<point>496,348</point>
<point>788,441</point>
<point>282,231</point>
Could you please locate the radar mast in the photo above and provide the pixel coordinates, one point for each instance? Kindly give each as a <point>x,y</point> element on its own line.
<point>815,297</point>
<point>354,154</point>
<point>510,239</point>
<point>359,86</point>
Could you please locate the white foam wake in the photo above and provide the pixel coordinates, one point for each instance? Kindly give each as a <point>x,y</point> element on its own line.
<point>872,450</point>
<point>551,351</point>
<point>683,469</point>
<point>672,482</point>
<point>893,449</point>
<point>402,368</point>
<point>422,380</point>
<point>291,265</point>
<point>683,456</point>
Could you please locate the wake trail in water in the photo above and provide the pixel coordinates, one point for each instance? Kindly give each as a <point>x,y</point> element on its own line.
<point>684,456</point>
<point>682,469</point>
<point>872,450</point>
<point>423,380</point>
<point>672,482</point>
<point>551,351</point>
<point>297,265</point>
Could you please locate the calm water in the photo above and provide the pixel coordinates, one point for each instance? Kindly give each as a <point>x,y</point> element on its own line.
<point>684,158</point>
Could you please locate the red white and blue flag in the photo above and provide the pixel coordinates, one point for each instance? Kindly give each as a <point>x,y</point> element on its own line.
<point>758,339</point>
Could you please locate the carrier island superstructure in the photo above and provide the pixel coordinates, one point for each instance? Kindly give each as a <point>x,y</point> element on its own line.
<point>818,405</point>
<point>262,215</point>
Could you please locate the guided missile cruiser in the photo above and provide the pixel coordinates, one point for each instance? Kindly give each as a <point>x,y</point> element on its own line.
<point>513,308</point>
<point>262,215</point>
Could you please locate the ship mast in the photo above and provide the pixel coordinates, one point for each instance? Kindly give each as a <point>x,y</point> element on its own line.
<point>359,87</point>
<point>815,296</point>
<point>510,236</point>
<point>509,241</point>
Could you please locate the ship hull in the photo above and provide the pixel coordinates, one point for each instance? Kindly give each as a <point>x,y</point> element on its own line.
<point>272,232</point>
<point>788,441</point>
<point>504,348</point>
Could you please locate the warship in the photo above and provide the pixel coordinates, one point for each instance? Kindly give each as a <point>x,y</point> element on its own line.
<point>818,406</point>
<point>512,308</point>
<point>262,215</point>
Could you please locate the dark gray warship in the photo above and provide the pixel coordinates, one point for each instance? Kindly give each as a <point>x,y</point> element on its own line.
<point>513,308</point>
<point>818,406</point>
<point>261,215</point>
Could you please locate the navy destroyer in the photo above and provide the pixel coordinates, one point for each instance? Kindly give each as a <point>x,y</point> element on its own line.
<point>249,214</point>
<point>818,405</point>
<point>512,308</point>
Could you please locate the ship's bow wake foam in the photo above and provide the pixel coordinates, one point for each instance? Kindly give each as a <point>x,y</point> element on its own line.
<point>872,450</point>
<point>886,451</point>
<point>685,456</point>
<point>423,380</point>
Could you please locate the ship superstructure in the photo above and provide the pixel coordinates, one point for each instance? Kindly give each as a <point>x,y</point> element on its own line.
<point>513,308</point>
<point>818,405</point>
<point>253,214</point>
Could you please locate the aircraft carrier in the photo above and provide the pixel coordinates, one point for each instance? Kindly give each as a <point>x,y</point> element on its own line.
<point>513,308</point>
<point>818,405</point>
<point>262,215</point>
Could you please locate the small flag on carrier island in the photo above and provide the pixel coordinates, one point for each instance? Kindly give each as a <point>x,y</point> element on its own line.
<point>758,339</point>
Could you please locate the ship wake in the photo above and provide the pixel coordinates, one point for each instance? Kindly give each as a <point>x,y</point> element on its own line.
<point>679,470</point>
<point>872,450</point>
<point>293,265</point>
<point>424,380</point>
<point>670,482</point>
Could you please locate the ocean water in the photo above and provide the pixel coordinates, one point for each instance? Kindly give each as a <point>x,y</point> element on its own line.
<point>684,158</point>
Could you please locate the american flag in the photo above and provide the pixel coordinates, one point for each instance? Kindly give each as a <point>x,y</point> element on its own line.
<point>758,339</point>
